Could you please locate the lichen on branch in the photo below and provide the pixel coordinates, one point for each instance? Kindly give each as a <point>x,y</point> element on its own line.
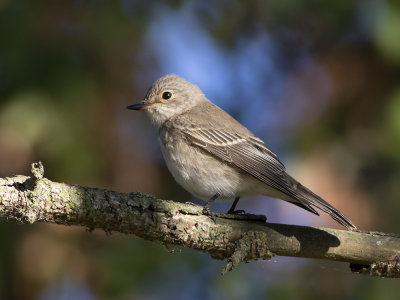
<point>236,238</point>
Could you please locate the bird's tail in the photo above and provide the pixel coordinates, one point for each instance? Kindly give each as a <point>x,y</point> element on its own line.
<point>307,198</point>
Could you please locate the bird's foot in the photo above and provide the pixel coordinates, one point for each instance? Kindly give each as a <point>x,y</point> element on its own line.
<point>240,215</point>
<point>207,212</point>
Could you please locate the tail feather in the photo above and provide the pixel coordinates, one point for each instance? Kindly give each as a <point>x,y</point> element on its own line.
<point>307,198</point>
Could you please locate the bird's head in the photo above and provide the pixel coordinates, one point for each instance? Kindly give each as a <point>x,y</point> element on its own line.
<point>169,96</point>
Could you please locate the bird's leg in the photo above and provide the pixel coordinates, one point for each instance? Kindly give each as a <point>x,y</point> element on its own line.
<point>206,208</point>
<point>232,210</point>
<point>211,200</point>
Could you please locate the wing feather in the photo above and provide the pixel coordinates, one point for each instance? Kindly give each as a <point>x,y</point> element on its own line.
<point>249,155</point>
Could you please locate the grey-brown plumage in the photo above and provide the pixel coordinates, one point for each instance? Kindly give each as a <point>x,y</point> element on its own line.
<point>213,156</point>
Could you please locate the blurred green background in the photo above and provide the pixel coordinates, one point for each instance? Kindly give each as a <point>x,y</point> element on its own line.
<point>319,81</point>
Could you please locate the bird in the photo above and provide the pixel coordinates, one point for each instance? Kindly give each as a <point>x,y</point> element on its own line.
<point>212,156</point>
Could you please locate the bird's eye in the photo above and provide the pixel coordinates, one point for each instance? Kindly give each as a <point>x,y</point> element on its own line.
<point>166,95</point>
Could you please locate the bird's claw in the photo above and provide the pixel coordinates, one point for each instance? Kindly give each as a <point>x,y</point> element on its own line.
<point>207,212</point>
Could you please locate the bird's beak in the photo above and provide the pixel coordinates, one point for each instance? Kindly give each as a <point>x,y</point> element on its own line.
<point>139,106</point>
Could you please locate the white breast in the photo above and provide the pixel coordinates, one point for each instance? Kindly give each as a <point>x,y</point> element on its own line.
<point>196,171</point>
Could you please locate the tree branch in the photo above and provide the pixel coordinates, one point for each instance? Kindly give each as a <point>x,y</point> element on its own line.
<point>235,238</point>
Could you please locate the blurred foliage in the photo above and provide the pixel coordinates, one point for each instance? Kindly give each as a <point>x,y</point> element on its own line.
<point>68,69</point>
<point>387,34</point>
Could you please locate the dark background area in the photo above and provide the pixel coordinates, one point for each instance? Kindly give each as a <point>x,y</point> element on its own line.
<point>318,81</point>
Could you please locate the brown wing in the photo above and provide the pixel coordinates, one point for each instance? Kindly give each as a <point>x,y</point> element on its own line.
<point>248,154</point>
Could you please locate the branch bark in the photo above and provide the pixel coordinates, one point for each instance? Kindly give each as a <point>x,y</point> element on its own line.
<point>236,238</point>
